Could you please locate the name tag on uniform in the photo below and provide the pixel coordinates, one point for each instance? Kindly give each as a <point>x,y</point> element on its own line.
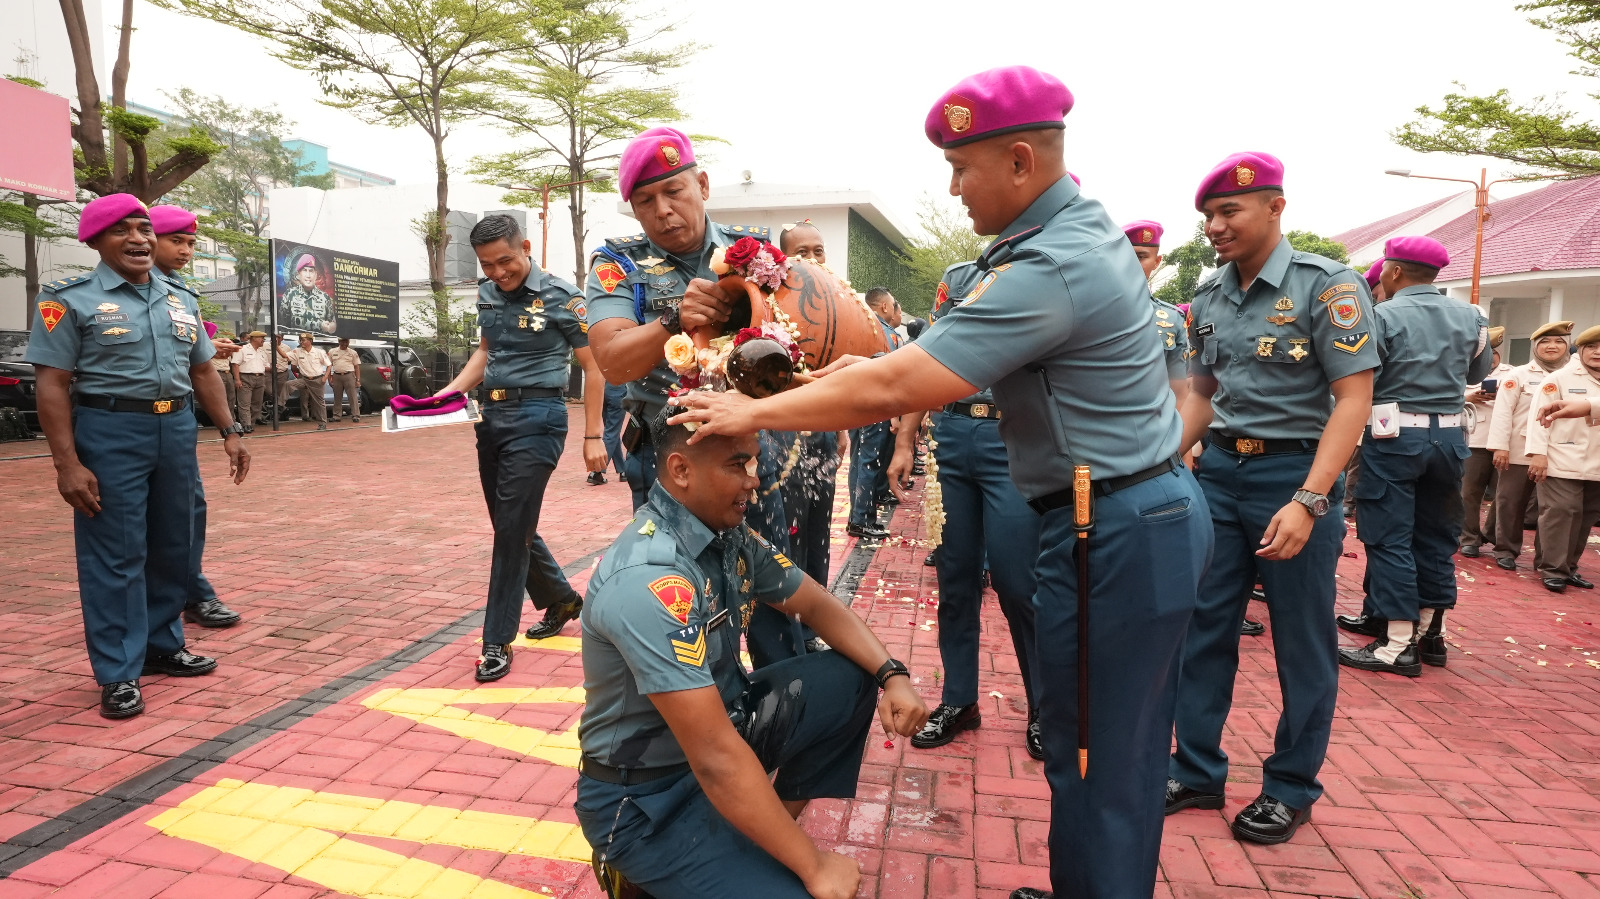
<point>1577,390</point>
<point>716,620</point>
<point>108,317</point>
<point>178,315</point>
<point>1206,330</point>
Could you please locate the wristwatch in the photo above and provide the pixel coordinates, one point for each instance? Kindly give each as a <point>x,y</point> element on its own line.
<point>669,320</point>
<point>234,428</point>
<point>890,669</point>
<point>1315,503</point>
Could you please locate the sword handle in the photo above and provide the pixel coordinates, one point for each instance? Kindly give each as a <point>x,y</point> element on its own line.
<point>1082,497</point>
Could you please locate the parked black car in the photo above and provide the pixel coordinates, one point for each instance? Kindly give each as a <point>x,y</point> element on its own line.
<point>17,384</point>
<point>381,379</point>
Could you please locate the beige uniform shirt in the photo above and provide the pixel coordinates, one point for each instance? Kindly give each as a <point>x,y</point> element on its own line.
<point>344,360</point>
<point>1571,444</point>
<point>253,361</point>
<point>1508,427</point>
<point>1478,438</point>
<point>223,363</point>
<point>310,363</point>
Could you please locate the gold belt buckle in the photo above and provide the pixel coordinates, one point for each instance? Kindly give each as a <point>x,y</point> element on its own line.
<point>497,395</point>
<point>980,410</point>
<point>161,407</point>
<point>1247,446</point>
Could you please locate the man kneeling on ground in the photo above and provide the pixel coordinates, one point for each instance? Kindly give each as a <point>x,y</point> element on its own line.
<point>678,739</point>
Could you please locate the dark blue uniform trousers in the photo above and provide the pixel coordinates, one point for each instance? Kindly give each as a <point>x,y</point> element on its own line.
<point>1244,492</point>
<point>870,448</point>
<point>808,494</point>
<point>134,555</point>
<point>666,836</point>
<point>772,636</point>
<point>1150,545</point>
<point>200,589</point>
<point>611,417</point>
<point>1408,515</point>
<point>984,513</point>
<point>519,444</point>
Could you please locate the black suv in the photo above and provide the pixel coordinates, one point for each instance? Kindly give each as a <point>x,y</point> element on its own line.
<point>17,384</point>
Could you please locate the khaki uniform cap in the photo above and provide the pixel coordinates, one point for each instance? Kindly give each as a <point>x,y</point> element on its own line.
<point>1554,329</point>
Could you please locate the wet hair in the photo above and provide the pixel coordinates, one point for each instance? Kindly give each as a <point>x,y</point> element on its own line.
<point>496,227</point>
<point>664,437</point>
<point>876,295</point>
<point>915,327</point>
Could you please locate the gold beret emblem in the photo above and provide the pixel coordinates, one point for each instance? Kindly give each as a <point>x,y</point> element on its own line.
<point>959,117</point>
<point>1244,174</point>
<point>670,154</point>
<point>1145,236</point>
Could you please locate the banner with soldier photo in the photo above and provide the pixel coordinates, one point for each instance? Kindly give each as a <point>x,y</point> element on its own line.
<point>326,293</point>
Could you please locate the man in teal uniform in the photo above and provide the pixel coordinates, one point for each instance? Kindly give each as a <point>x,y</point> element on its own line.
<point>530,321</point>
<point>871,446</point>
<point>1060,324</point>
<point>676,792</point>
<point>1412,458</point>
<point>1282,359</point>
<point>124,445</point>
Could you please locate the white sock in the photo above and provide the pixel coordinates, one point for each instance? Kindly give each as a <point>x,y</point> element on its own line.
<point>1401,634</point>
<point>1431,617</point>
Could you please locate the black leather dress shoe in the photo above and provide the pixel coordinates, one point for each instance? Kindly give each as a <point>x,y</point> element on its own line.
<point>1031,893</point>
<point>1406,664</point>
<point>1269,821</point>
<point>866,531</point>
<point>1579,581</point>
<point>210,613</point>
<point>596,478</point>
<point>1471,552</point>
<point>121,700</point>
<point>1555,584</point>
<point>1505,564</point>
<point>1364,625</point>
<point>1180,797</point>
<point>1431,650</point>
<point>182,663</point>
<point>929,561</point>
<point>495,662</point>
<point>890,500</point>
<point>555,618</point>
<point>817,644</point>
<point>945,722</point>
<point>1252,628</point>
<point>1035,737</point>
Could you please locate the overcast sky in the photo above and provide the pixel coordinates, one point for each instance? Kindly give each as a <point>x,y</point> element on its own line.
<point>833,92</point>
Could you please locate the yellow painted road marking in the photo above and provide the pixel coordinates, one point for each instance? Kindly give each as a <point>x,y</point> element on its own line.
<point>296,830</point>
<point>441,708</point>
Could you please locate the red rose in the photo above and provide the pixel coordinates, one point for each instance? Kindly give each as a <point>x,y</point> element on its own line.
<point>777,254</point>
<point>742,251</point>
<point>746,334</point>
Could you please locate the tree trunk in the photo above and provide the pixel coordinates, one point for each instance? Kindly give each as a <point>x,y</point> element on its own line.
<point>441,234</point>
<point>30,258</point>
<point>90,129</point>
<point>119,90</point>
<point>575,167</point>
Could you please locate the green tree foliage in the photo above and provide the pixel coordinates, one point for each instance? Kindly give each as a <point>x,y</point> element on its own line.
<point>947,238</point>
<point>1186,262</point>
<point>590,75</point>
<point>1311,242</point>
<point>1539,135</point>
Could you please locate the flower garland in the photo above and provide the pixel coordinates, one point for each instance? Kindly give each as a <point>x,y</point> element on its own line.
<point>789,463</point>
<point>933,501</point>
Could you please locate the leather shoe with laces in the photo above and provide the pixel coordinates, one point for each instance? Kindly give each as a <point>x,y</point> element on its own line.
<point>930,561</point>
<point>1035,737</point>
<point>596,478</point>
<point>182,663</point>
<point>1555,584</point>
<point>1031,893</point>
<point>1577,580</point>
<point>1365,625</point>
<point>555,618</point>
<point>495,662</point>
<point>945,722</point>
<point>1471,552</point>
<point>121,699</point>
<point>1180,797</point>
<point>1505,564</point>
<point>1431,650</point>
<point>1269,821</point>
<point>1252,628</point>
<point>210,613</point>
<point>1406,664</point>
<point>868,531</point>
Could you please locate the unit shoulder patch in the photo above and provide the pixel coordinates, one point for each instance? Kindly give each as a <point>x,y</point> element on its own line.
<point>50,312</point>
<point>1551,388</point>
<point>1344,312</point>
<point>676,595</point>
<point>609,274</point>
<point>1336,290</point>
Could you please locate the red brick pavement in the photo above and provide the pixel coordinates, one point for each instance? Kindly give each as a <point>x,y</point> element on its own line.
<point>1480,780</point>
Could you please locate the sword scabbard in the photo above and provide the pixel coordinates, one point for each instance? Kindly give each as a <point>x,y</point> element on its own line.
<point>1082,500</point>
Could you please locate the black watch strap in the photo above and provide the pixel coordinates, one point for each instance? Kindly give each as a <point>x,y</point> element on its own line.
<point>234,428</point>
<point>890,669</point>
<point>669,320</point>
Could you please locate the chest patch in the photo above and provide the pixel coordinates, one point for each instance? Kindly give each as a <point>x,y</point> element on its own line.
<point>675,594</point>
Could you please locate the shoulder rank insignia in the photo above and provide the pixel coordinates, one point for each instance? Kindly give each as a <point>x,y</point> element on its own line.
<point>108,307</point>
<point>1351,343</point>
<point>782,559</point>
<point>609,275</point>
<point>1344,312</point>
<point>50,313</point>
<point>675,594</point>
<point>689,645</point>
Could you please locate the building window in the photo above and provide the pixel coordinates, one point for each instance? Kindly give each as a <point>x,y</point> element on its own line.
<point>203,271</point>
<point>223,271</point>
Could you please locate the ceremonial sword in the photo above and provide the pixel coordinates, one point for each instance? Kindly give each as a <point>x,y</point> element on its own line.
<point>1082,522</point>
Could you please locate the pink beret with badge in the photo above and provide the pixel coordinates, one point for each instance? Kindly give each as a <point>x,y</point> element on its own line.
<point>306,260</point>
<point>103,212</point>
<point>172,220</point>
<point>1420,250</point>
<point>1375,273</point>
<point>655,154</point>
<point>429,405</point>
<point>999,101</point>
<point>211,328</point>
<point>1144,233</point>
<point>1241,173</point>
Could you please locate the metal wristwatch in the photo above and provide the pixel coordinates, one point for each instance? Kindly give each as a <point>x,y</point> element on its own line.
<point>234,428</point>
<point>890,669</point>
<point>1315,503</point>
<point>669,320</point>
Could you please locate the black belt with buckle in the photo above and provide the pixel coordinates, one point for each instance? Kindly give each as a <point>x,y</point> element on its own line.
<point>118,404</point>
<point>1253,446</point>
<point>1062,499</point>
<point>975,410</point>
<point>624,777</point>
<point>504,394</point>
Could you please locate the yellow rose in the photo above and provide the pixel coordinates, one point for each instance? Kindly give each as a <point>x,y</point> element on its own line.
<point>681,353</point>
<point>719,264</point>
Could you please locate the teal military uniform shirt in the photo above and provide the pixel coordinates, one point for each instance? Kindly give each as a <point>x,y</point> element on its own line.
<point>1060,324</point>
<point>958,281</point>
<point>609,291</point>
<point>531,331</point>
<point>1174,339</point>
<point>665,612</point>
<point>1274,349</point>
<point>132,341</point>
<point>1432,347</point>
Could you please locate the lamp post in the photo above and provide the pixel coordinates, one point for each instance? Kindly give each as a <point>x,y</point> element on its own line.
<point>1481,207</point>
<point>544,213</point>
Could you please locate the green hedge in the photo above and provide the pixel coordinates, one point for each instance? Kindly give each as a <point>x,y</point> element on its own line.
<point>874,262</point>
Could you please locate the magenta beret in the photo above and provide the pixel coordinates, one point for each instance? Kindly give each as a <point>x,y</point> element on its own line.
<point>306,260</point>
<point>171,220</point>
<point>1420,250</point>
<point>1075,179</point>
<point>1144,233</point>
<point>211,329</point>
<point>999,101</point>
<point>103,212</point>
<point>655,154</point>
<point>1375,273</point>
<point>1240,173</point>
<point>429,405</point>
